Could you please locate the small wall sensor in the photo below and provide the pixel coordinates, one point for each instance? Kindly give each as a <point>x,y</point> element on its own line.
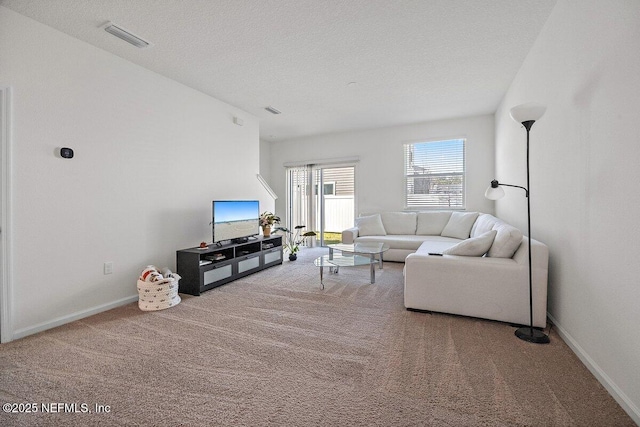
<point>238,121</point>
<point>66,153</point>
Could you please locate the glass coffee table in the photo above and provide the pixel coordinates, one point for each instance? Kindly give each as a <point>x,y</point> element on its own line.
<point>351,255</point>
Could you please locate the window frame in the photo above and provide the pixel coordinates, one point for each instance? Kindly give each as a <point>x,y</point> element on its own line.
<point>409,185</point>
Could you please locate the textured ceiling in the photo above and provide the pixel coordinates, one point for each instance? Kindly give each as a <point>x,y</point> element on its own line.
<point>411,60</point>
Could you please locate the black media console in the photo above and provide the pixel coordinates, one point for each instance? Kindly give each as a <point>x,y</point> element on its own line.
<point>204,269</point>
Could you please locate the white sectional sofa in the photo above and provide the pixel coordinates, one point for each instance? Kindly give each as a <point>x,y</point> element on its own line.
<point>483,270</point>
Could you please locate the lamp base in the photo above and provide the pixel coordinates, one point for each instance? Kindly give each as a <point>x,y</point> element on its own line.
<point>530,334</point>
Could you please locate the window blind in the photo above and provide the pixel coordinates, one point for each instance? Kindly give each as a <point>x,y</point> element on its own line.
<point>434,174</point>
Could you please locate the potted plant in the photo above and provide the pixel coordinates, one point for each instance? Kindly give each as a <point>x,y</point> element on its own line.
<point>292,240</point>
<point>267,220</point>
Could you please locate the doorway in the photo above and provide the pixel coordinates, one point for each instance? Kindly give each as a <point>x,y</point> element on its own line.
<point>5,223</point>
<point>321,197</point>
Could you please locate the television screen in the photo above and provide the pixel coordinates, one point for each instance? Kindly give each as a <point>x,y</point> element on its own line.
<point>235,219</point>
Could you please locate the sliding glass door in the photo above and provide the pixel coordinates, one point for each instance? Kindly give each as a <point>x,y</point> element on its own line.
<point>322,198</point>
<point>299,198</point>
<point>336,196</point>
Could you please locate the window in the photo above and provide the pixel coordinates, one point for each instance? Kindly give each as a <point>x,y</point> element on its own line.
<point>434,174</point>
<point>328,189</point>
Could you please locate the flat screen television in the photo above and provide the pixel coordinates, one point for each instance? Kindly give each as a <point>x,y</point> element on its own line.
<point>235,220</point>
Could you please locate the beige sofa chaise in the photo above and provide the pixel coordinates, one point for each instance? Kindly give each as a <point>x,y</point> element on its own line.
<point>482,270</point>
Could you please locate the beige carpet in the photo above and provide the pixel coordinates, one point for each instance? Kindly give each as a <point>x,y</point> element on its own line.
<point>274,349</point>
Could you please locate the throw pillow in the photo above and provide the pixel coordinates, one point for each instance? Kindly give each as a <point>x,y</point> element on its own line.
<point>484,223</point>
<point>476,246</point>
<point>459,225</point>
<point>432,223</point>
<point>507,241</point>
<point>370,226</point>
<point>399,222</point>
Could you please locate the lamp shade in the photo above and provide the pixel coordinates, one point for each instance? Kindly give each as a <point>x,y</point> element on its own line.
<point>494,193</point>
<point>530,111</point>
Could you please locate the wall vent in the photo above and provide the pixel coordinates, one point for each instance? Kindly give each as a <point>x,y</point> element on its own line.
<point>273,110</point>
<point>125,35</point>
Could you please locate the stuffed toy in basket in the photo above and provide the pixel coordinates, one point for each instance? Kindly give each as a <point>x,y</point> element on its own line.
<point>157,291</point>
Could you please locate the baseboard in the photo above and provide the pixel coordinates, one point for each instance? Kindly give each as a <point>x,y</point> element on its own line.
<point>615,392</point>
<point>21,333</point>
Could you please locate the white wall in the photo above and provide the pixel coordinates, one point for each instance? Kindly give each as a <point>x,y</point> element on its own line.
<point>150,155</point>
<point>584,180</point>
<point>379,173</point>
<point>265,160</point>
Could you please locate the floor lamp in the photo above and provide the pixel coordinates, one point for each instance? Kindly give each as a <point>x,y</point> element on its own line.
<point>527,114</point>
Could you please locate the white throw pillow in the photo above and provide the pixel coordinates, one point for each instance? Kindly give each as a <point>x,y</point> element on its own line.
<point>507,241</point>
<point>484,223</point>
<point>432,223</point>
<point>399,222</point>
<point>370,226</point>
<point>476,246</point>
<point>459,225</point>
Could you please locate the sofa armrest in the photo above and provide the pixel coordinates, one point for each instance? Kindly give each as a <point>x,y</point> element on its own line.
<point>495,288</point>
<point>349,235</point>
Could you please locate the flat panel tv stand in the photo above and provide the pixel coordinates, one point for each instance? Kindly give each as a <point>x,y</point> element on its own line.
<point>204,269</point>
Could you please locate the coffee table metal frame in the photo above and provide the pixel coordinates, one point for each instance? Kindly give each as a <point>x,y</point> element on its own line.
<point>351,255</point>
<point>370,249</point>
<point>335,261</point>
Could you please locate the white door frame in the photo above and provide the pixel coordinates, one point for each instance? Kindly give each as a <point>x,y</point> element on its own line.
<point>6,326</point>
<point>319,207</point>
<point>314,206</point>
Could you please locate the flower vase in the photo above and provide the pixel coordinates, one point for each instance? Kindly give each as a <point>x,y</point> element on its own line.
<point>266,230</point>
<point>293,257</point>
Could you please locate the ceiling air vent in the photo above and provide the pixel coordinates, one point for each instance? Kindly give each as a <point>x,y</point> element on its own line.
<point>272,110</point>
<point>125,35</point>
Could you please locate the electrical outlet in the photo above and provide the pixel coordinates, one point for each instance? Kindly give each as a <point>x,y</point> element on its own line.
<point>108,267</point>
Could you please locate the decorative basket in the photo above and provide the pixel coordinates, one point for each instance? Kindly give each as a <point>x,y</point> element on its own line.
<point>153,296</point>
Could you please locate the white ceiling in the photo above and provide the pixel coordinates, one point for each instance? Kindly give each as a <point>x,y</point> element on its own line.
<point>411,60</point>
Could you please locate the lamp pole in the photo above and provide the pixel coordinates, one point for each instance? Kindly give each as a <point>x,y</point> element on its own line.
<point>526,114</point>
<point>530,334</point>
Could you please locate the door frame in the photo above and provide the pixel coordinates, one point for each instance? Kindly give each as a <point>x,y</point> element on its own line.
<point>318,202</point>
<point>6,266</point>
<point>311,167</point>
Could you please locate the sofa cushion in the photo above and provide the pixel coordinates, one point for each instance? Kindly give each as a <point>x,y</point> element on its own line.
<point>437,244</point>
<point>475,246</point>
<point>370,226</point>
<point>432,223</point>
<point>397,241</point>
<point>399,222</point>
<point>459,225</point>
<point>484,223</point>
<point>506,242</point>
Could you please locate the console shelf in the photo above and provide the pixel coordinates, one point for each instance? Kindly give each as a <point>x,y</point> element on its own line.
<point>204,269</point>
